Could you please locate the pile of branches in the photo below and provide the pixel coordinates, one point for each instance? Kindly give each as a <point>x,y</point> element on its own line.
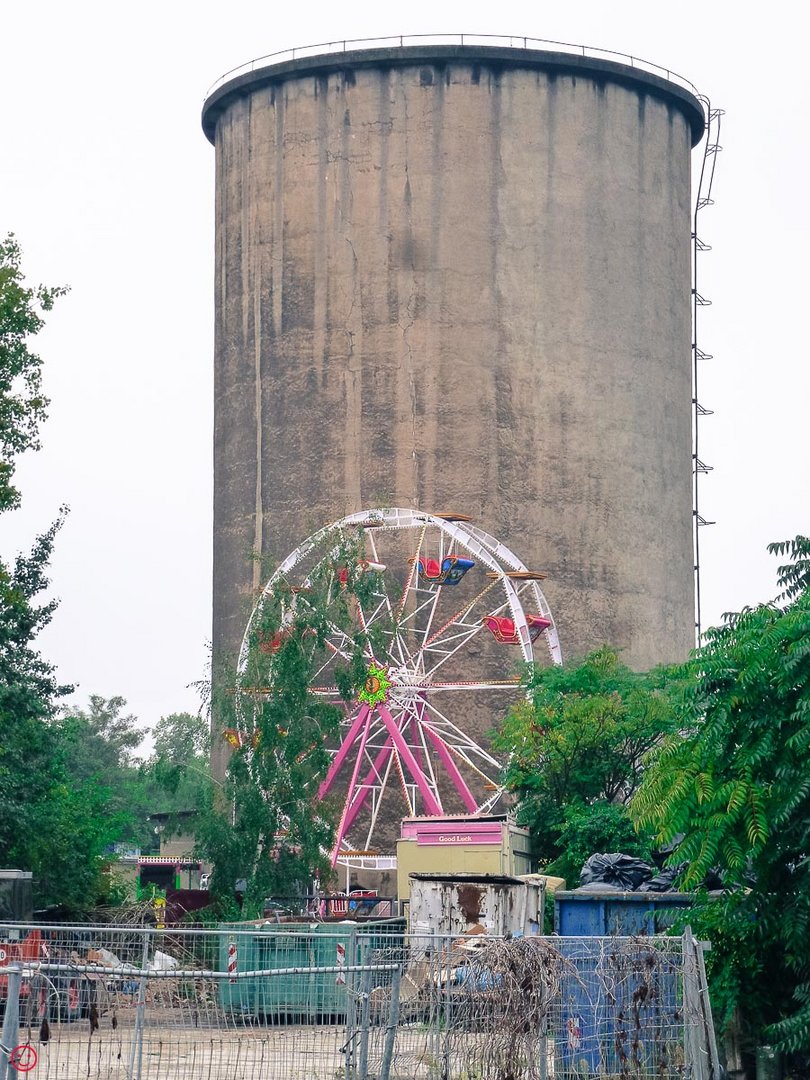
<point>505,1001</point>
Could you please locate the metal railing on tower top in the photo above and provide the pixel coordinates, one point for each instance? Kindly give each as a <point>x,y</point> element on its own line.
<point>326,48</point>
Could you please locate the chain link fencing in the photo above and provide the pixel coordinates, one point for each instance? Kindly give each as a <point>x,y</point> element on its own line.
<point>351,1001</point>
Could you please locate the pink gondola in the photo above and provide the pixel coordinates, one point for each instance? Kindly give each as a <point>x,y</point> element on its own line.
<point>270,645</point>
<point>364,564</point>
<point>504,630</point>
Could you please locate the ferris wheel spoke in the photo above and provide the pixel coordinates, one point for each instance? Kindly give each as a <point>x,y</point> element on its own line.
<point>376,793</point>
<point>359,723</point>
<point>432,805</point>
<point>462,640</point>
<point>374,780</point>
<point>457,740</point>
<point>410,635</point>
<point>364,626</point>
<point>411,573</point>
<point>485,684</point>
<point>460,615</point>
<point>319,672</point>
<point>409,802</point>
<point>342,827</point>
<point>417,725</point>
<point>408,717</point>
<point>337,651</point>
<point>398,651</point>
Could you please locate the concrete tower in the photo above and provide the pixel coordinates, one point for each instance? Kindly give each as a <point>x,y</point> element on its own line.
<point>459,278</point>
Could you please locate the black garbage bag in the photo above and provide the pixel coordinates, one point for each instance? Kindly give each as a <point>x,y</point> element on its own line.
<point>666,880</point>
<point>623,871</point>
<point>600,887</point>
<point>713,880</point>
<point>660,855</point>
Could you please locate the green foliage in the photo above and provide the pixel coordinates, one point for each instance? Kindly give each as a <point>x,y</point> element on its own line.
<point>99,745</point>
<point>52,822</point>
<point>181,738</point>
<point>735,783</point>
<point>576,750</point>
<point>180,767</point>
<point>596,826</point>
<point>271,829</point>
<point>22,404</point>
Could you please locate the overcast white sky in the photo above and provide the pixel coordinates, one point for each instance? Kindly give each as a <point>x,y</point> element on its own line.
<point>107,180</point>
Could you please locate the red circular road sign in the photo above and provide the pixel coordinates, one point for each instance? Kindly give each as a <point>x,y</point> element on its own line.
<point>23,1058</point>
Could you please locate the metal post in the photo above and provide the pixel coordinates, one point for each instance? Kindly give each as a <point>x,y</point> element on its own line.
<point>365,1010</point>
<point>393,1023</point>
<point>136,1053</point>
<point>708,1019</point>
<point>695,1049</point>
<point>11,1020</point>
<point>351,1006</point>
<point>444,1033</point>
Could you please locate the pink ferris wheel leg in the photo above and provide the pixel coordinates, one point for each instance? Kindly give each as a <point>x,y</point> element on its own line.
<point>432,805</point>
<point>343,752</point>
<point>446,759</point>
<point>342,827</point>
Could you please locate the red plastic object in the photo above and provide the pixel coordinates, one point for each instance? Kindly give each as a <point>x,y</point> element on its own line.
<point>503,629</point>
<point>270,645</point>
<point>537,624</point>
<point>430,569</point>
<point>23,1058</point>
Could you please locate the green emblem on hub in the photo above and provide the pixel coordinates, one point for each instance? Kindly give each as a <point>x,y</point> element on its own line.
<point>375,689</point>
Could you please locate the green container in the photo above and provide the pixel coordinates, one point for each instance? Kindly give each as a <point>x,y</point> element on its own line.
<point>306,992</point>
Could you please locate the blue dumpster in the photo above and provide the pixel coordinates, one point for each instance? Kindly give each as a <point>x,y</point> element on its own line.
<point>601,1030</point>
<point>599,914</point>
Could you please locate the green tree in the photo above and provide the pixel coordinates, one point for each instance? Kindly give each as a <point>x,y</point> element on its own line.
<point>52,822</point>
<point>48,824</point>
<point>179,767</point>
<point>100,745</point>
<point>271,830</point>
<point>734,782</point>
<point>105,740</point>
<point>576,750</point>
<point>22,404</point>
<point>181,738</point>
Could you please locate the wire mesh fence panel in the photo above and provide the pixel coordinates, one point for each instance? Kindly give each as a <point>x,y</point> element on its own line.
<point>534,1009</point>
<point>327,1001</point>
<point>137,1003</point>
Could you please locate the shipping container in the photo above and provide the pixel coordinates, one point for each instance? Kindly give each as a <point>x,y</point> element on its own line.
<point>462,904</point>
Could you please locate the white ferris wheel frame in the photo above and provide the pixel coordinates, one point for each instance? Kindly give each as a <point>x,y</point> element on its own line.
<point>378,736</point>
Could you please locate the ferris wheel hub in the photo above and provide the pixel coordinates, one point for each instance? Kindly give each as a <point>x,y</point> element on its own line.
<point>374,690</point>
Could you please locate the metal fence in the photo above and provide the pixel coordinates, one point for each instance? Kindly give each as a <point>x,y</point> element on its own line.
<point>331,1001</point>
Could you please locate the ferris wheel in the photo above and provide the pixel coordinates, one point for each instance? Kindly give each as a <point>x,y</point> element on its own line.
<point>449,619</point>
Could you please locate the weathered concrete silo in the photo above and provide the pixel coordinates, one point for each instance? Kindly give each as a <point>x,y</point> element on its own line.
<point>458,277</point>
